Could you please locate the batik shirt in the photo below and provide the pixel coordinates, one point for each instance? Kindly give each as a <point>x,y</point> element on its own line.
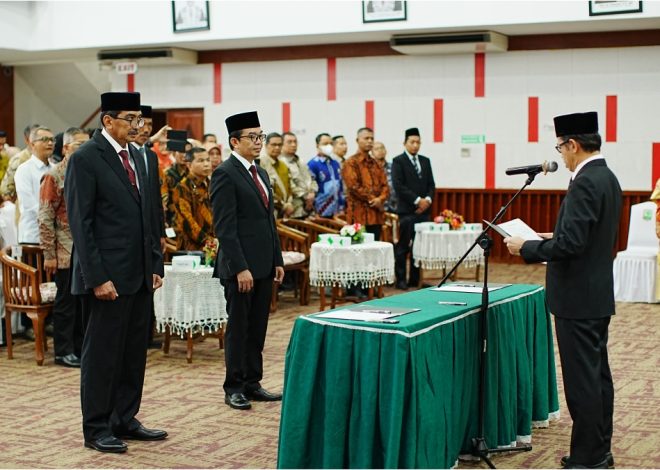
<point>329,199</point>
<point>54,231</point>
<point>193,217</point>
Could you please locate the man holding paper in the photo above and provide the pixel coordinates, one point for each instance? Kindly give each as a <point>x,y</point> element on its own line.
<point>580,285</point>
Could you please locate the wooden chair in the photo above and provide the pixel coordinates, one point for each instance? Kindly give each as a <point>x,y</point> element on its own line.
<point>329,223</point>
<point>294,240</point>
<point>310,228</point>
<point>390,228</point>
<point>21,286</point>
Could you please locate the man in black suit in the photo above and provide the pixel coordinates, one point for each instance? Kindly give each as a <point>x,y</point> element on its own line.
<point>141,144</point>
<point>116,265</point>
<point>248,259</point>
<point>580,286</point>
<point>413,183</point>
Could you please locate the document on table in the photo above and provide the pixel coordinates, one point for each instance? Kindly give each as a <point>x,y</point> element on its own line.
<point>391,311</point>
<point>518,228</point>
<point>357,315</point>
<point>471,288</point>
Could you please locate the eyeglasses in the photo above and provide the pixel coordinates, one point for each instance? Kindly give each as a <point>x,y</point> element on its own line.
<point>255,138</point>
<point>45,140</point>
<point>558,146</point>
<point>135,121</point>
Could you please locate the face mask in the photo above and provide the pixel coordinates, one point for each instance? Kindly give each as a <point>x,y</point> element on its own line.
<point>326,149</point>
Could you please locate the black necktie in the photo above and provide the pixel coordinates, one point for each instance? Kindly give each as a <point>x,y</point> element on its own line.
<point>417,168</point>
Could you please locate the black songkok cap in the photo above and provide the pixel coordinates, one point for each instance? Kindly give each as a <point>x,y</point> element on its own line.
<point>146,111</point>
<point>176,134</point>
<point>411,132</point>
<point>3,134</point>
<point>241,121</point>
<point>578,123</point>
<point>177,145</point>
<point>120,101</point>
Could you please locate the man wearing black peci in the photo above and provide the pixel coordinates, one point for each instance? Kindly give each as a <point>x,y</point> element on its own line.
<point>414,186</point>
<point>580,286</point>
<point>116,265</point>
<point>248,259</point>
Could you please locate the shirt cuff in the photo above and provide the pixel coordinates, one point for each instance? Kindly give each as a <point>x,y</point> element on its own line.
<point>417,200</point>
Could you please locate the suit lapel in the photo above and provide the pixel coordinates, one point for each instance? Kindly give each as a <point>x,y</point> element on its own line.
<point>112,159</point>
<point>412,167</point>
<point>246,174</point>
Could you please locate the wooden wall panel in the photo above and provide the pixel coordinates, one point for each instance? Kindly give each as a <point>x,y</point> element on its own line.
<point>538,208</point>
<point>7,105</point>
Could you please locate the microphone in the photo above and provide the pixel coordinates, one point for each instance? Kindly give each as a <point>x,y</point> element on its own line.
<point>545,167</point>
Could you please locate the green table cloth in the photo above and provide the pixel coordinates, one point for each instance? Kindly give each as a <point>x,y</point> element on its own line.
<point>374,395</point>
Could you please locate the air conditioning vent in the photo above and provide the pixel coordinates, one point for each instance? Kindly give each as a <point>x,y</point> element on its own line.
<point>146,57</point>
<point>449,43</point>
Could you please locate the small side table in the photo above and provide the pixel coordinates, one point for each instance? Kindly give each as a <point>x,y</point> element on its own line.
<point>190,301</point>
<point>369,265</point>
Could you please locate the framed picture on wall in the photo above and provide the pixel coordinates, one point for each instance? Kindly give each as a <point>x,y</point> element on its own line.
<point>374,11</point>
<point>613,7</point>
<point>190,15</point>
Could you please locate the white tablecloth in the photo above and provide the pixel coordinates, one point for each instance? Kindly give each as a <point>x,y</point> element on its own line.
<point>190,299</point>
<point>441,249</point>
<point>364,264</point>
<point>635,277</point>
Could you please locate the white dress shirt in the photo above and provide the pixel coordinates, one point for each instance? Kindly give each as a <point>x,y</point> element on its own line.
<point>247,166</point>
<point>118,148</point>
<point>28,183</point>
<point>598,156</point>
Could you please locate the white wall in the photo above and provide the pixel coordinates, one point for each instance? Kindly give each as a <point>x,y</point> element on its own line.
<point>403,89</point>
<point>30,108</point>
<point>61,25</point>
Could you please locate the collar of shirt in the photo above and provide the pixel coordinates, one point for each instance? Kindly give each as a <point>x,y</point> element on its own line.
<point>581,165</point>
<point>323,158</point>
<point>138,147</point>
<point>291,158</point>
<point>362,156</point>
<point>113,142</point>
<point>38,162</point>
<point>410,156</point>
<point>243,161</point>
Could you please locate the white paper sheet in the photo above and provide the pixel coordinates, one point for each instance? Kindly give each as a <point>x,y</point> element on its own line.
<point>475,288</point>
<point>354,315</point>
<point>518,228</point>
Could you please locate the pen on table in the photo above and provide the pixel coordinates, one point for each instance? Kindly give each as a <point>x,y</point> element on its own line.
<point>376,311</point>
<point>462,304</point>
<point>464,285</point>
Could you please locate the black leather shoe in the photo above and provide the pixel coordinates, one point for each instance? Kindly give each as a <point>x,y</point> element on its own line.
<point>262,394</point>
<point>609,462</point>
<point>401,285</point>
<point>107,444</point>
<point>238,401</point>
<point>70,360</point>
<point>143,434</point>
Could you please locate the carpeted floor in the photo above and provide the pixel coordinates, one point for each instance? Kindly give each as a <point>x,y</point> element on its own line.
<point>40,417</point>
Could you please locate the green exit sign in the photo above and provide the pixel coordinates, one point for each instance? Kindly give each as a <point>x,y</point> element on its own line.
<point>473,139</point>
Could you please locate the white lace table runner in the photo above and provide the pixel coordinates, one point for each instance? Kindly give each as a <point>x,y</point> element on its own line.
<point>190,299</point>
<point>365,264</point>
<point>441,249</point>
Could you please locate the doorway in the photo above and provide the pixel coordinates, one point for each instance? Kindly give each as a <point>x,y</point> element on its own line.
<point>191,120</point>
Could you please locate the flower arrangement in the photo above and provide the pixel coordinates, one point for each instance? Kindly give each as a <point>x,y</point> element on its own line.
<point>210,250</point>
<point>355,231</point>
<point>454,219</point>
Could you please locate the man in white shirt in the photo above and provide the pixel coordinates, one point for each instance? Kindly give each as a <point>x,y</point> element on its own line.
<point>28,182</point>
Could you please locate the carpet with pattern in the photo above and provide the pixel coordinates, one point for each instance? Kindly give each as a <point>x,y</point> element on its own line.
<point>40,417</point>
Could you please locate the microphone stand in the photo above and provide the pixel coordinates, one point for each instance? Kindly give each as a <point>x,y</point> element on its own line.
<point>480,447</point>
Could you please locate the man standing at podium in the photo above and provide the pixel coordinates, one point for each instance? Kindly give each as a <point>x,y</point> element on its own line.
<point>580,286</point>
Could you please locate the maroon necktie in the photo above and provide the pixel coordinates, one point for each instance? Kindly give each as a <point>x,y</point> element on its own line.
<point>264,198</point>
<point>129,170</point>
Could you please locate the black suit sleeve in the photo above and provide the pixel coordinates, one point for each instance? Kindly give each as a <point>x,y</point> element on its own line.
<point>224,203</point>
<point>154,181</point>
<point>403,192</point>
<point>80,194</point>
<point>581,209</point>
